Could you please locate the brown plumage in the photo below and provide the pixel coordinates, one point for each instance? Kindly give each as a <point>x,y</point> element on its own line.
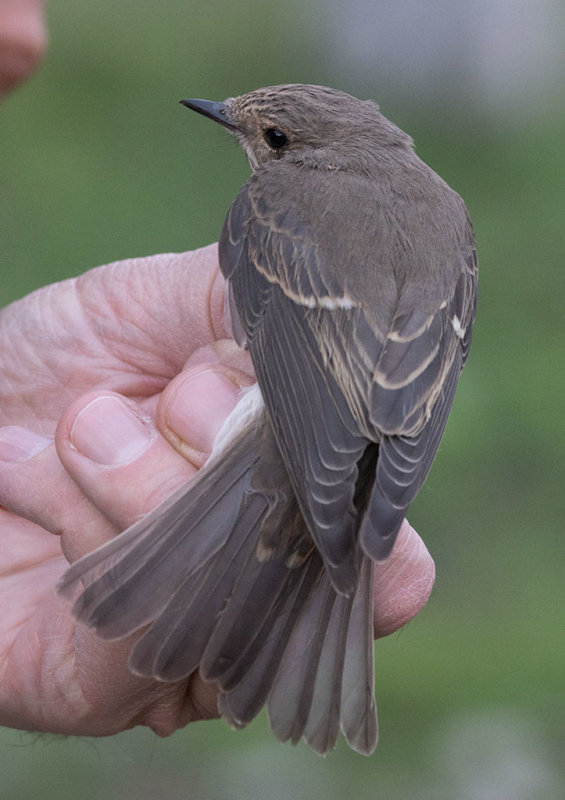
<point>352,280</point>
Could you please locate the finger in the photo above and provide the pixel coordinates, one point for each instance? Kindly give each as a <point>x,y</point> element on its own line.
<point>23,38</point>
<point>148,312</point>
<point>24,546</point>
<point>35,486</point>
<point>31,562</point>
<point>156,309</point>
<point>403,583</point>
<point>195,404</point>
<point>112,450</point>
<point>223,353</point>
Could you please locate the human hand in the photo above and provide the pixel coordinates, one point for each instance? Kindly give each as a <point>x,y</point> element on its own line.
<point>151,331</point>
<point>22,41</point>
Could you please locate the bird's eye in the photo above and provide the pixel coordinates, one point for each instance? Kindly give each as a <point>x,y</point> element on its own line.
<point>275,138</point>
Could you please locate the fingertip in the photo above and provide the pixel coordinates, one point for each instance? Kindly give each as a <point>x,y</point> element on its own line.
<point>104,428</point>
<point>23,41</point>
<point>193,408</point>
<point>403,583</point>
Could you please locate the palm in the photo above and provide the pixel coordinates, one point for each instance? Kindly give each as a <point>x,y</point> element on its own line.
<point>30,563</point>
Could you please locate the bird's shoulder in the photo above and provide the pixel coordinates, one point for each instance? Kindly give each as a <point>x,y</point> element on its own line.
<point>364,238</point>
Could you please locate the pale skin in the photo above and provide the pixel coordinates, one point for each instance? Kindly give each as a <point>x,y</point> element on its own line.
<point>112,387</point>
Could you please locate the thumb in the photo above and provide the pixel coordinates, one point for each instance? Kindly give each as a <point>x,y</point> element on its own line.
<point>194,406</point>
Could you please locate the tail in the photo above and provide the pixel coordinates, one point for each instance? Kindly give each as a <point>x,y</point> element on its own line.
<point>270,630</point>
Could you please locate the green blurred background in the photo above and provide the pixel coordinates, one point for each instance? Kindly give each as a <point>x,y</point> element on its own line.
<point>99,162</point>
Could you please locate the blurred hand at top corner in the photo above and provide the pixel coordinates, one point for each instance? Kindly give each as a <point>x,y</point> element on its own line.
<point>23,40</point>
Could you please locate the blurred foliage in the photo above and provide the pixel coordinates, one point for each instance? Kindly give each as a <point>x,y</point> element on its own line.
<point>100,163</point>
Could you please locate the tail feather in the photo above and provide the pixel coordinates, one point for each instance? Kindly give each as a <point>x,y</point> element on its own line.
<point>291,699</point>
<point>358,711</point>
<point>314,669</point>
<point>129,581</point>
<point>322,728</point>
<point>246,688</point>
<point>173,646</point>
<point>255,596</point>
<point>266,624</point>
<point>272,630</point>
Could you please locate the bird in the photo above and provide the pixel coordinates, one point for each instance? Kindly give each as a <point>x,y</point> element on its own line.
<point>351,272</point>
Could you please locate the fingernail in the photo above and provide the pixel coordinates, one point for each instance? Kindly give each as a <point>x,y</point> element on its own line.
<point>197,417</point>
<point>110,431</point>
<point>19,444</point>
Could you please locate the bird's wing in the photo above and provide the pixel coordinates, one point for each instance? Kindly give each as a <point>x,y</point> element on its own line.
<point>414,383</point>
<point>334,376</point>
<point>273,303</point>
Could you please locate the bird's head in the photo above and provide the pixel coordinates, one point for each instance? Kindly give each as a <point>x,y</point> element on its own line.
<point>312,125</point>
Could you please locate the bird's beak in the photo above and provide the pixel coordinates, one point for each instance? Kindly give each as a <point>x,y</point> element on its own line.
<point>210,109</point>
